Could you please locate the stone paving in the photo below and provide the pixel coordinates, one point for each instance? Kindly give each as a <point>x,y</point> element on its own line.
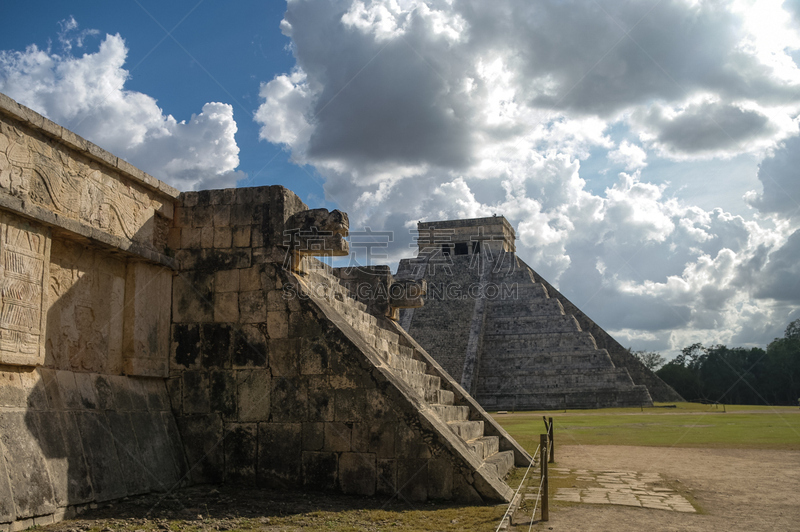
<point>624,488</point>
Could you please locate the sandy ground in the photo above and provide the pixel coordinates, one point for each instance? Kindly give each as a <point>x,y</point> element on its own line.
<point>733,489</point>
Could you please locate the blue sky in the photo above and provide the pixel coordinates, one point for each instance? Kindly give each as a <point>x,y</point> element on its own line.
<point>645,152</point>
<point>185,54</point>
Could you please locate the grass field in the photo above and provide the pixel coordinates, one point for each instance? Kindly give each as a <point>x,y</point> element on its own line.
<point>686,425</point>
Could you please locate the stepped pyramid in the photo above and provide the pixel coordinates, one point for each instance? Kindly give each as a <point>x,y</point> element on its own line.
<point>509,338</point>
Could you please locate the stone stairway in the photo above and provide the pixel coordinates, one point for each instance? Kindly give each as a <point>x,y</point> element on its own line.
<point>414,371</point>
<point>535,356</point>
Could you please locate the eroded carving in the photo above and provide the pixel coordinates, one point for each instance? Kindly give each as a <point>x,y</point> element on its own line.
<point>315,232</point>
<point>24,257</point>
<point>80,189</point>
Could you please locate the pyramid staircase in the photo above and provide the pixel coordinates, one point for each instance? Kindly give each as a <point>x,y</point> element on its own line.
<point>535,356</point>
<point>438,395</point>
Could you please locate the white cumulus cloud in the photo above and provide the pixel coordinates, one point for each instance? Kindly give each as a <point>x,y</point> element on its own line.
<point>87,95</point>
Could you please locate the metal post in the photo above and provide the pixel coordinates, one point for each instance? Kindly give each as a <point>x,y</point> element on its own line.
<point>543,461</point>
<point>551,443</point>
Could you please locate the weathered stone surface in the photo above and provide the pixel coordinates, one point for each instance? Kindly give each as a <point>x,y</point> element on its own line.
<point>30,481</point>
<point>279,454</point>
<point>241,446</point>
<point>357,473</point>
<point>320,470</point>
<point>101,456</point>
<point>25,252</point>
<point>202,440</point>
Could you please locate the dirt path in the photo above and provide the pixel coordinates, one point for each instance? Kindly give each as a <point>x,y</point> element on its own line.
<point>735,489</point>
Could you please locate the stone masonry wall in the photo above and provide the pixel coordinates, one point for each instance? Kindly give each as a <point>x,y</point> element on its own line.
<point>266,390</point>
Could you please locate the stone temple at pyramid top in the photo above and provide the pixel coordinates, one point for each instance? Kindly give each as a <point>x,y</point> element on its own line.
<point>467,237</point>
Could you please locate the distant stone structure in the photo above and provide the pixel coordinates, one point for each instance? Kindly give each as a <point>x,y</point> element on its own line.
<point>512,340</point>
<point>151,339</point>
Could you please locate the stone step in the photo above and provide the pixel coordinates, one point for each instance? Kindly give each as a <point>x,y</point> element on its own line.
<point>531,324</point>
<point>419,380</point>
<point>401,350</point>
<point>485,446</point>
<point>467,430</point>
<point>406,363</point>
<point>514,343</point>
<point>524,307</point>
<point>511,364</point>
<point>567,398</point>
<point>511,291</point>
<point>449,413</point>
<point>503,461</point>
<point>441,397</point>
<point>551,381</point>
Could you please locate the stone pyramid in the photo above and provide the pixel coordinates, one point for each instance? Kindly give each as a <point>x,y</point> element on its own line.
<point>510,338</point>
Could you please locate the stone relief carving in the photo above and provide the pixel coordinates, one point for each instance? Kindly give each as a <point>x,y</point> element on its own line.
<point>24,259</point>
<point>85,314</point>
<point>77,188</point>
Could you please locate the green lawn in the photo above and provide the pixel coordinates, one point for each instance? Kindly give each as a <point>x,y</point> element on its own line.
<point>687,425</point>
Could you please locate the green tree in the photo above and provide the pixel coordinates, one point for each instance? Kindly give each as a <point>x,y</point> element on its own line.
<point>651,361</point>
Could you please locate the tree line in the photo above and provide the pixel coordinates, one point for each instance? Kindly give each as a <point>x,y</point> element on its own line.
<point>735,375</point>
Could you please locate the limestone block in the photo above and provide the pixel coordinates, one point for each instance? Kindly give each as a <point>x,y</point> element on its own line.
<point>12,393</point>
<point>174,444</point>
<point>226,307</point>
<point>241,236</point>
<point>222,216</point>
<point>223,394</point>
<point>440,479</point>
<point>25,253</point>
<point>386,477</point>
<point>252,307</point>
<point>278,324</point>
<point>249,347</point>
<point>337,437</point>
<point>27,473</point>
<point>154,448</point>
<point>68,389</point>
<point>313,436</point>
<point>135,476</point>
<point>226,281</point>
<point>195,393</point>
<point>201,436</point>
<point>250,279</point>
<point>215,345</point>
<point>283,356</point>
<point>207,237</point>
<point>192,297</point>
<point>85,385</point>
<point>241,447</point>
<point>101,456</point>
<point>222,237</point>
<point>357,473</point>
<point>320,398</point>
<point>254,389</point>
<point>350,405</point>
<point>291,394</point>
<point>33,385</point>
<point>105,395</point>
<point>279,454</point>
<point>185,346</point>
<point>320,470</point>
<point>412,478</point>
<point>146,319</point>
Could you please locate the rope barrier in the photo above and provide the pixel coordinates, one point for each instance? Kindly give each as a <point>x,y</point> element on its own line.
<point>536,504</point>
<point>533,459</point>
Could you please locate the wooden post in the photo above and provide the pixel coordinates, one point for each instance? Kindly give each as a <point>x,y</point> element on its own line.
<point>543,461</point>
<point>550,442</point>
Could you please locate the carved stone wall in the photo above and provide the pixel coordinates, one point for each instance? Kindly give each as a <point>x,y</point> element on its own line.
<point>85,278</point>
<point>24,262</point>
